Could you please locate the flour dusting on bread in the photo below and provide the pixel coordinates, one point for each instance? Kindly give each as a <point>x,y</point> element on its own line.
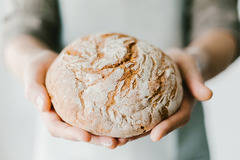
<point>113,84</point>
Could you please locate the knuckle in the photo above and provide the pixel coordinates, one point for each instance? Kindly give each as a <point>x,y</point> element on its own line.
<point>28,91</point>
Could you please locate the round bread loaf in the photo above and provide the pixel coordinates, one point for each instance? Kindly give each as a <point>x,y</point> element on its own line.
<point>113,84</point>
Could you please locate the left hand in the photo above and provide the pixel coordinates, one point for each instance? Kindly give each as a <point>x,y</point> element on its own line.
<point>34,81</point>
<point>194,89</point>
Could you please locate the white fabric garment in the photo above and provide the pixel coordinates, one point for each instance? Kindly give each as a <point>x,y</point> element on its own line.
<point>155,21</point>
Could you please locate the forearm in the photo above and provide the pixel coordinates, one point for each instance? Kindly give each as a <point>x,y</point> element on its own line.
<point>215,50</point>
<point>19,51</point>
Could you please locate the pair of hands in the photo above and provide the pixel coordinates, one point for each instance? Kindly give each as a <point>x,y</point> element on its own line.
<point>34,82</point>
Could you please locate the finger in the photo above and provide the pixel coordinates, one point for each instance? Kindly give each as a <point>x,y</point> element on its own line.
<point>191,74</point>
<point>177,120</point>
<point>108,142</point>
<point>139,136</point>
<point>194,81</point>
<point>58,128</point>
<point>198,89</point>
<point>34,81</point>
<point>122,141</point>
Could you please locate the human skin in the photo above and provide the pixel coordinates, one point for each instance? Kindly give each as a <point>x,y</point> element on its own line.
<point>29,58</point>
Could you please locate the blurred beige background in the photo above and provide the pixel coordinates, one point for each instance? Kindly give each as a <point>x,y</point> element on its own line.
<point>18,117</point>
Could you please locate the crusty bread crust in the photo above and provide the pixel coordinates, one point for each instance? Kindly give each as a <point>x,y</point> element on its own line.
<point>115,85</point>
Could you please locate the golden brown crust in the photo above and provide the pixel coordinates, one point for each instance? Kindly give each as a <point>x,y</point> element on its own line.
<point>112,84</point>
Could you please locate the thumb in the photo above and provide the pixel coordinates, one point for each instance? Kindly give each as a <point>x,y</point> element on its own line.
<point>34,81</point>
<point>190,74</point>
<point>193,79</point>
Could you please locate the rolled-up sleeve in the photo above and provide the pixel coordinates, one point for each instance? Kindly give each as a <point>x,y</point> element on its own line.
<point>39,18</point>
<point>207,15</point>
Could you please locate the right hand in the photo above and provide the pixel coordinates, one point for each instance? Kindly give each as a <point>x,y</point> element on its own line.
<point>194,89</point>
<point>35,90</point>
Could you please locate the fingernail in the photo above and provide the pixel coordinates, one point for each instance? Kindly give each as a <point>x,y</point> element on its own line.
<point>107,144</point>
<point>39,102</point>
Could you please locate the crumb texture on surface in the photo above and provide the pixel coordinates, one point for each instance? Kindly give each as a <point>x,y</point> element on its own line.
<point>113,84</point>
